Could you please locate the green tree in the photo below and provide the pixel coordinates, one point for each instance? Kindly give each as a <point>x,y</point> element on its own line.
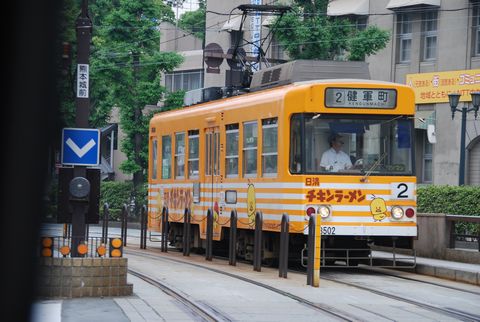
<point>66,57</point>
<point>318,36</point>
<point>194,21</point>
<point>125,71</point>
<point>173,101</point>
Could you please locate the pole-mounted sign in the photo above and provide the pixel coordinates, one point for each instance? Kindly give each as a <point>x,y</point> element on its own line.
<point>81,147</point>
<point>82,80</point>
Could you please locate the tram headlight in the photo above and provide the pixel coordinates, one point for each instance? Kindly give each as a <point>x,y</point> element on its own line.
<point>324,211</point>
<point>397,212</point>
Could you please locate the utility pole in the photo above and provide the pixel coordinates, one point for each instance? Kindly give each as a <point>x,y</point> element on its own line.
<point>84,35</point>
<point>82,102</point>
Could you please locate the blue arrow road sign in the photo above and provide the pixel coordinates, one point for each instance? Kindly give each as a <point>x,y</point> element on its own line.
<point>80,147</point>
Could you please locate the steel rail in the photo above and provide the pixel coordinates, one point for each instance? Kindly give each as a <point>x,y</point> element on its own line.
<point>462,316</point>
<point>196,309</point>
<point>392,274</point>
<point>315,306</point>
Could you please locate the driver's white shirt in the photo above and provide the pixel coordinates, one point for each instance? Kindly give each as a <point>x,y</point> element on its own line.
<point>334,161</point>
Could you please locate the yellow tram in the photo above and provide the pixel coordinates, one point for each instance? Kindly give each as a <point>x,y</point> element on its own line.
<point>263,151</point>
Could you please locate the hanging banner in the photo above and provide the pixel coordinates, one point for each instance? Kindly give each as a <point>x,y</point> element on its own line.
<point>255,25</point>
<point>435,87</point>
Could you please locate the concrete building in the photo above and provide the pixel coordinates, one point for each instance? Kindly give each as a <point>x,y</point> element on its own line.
<point>189,75</point>
<point>434,47</point>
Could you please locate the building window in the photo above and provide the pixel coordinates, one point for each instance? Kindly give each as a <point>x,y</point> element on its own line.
<point>193,156</point>
<point>180,155</point>
<point>269,147</point>
<point>429,35</point>
<point>404,37</point>
<point>427,175</point>
<point>232,150</point>
<point>154,159</point>
<point>250,137</point>
<point>361,22</point>
<point>476,30</point>
<point>277,51</point>
<point>184,80</point>
<point>166,156</point>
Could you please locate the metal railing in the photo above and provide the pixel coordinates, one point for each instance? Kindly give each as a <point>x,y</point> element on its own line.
<point>59,246</point>
<point>467,239</point>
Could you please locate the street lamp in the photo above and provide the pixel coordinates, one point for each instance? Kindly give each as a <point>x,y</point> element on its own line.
<point>453,99</point>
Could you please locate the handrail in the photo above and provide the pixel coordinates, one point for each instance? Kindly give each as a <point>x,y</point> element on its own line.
<point>453,219</point>
<point>474,219</point>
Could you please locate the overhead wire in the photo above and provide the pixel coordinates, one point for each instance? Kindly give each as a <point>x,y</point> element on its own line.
<point>212,29</point>
<point>302,42</point>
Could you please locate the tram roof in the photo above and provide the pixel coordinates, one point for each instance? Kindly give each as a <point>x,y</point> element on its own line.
<point>267,95</point>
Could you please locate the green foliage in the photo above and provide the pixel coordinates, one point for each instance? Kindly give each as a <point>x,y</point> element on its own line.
<point>125,71</point>
<point>116,194</point>
<point>318,36</point>
<point>194,21</point>
<point>367,42</point>
<point>121,29</point>
<point>173,101</point>
<point>453,200</point>
<point>66,71</point>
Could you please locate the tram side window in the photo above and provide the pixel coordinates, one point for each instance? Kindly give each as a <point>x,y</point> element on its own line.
<point>250,136</point>
<point>193,147</point>
<point>166,157</point>
<point>269,147</point>
<point>154,159</point>
<point>231,165</point>
<point>180,155</point>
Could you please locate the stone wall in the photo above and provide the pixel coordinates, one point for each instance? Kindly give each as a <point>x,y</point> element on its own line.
<point>83,277</point>
<point>434,240</point>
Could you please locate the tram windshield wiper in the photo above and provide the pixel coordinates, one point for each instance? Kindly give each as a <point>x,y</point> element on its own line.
<point>373,167</point>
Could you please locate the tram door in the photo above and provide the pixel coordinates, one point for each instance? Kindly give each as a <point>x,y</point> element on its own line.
<point>212,172</point>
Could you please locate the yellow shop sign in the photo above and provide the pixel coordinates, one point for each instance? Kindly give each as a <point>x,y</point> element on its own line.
<point>435,87</point>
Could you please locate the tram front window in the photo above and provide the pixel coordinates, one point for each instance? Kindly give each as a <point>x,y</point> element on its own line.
<point>352,144</point>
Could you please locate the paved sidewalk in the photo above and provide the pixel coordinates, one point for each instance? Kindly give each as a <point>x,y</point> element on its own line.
<point>456,271</point>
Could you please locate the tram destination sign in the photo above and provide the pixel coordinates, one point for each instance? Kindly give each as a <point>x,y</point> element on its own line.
<point>360,97</point>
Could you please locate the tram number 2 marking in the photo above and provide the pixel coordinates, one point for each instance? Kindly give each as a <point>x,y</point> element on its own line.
<point>328,230</point>
<point>402,190</point>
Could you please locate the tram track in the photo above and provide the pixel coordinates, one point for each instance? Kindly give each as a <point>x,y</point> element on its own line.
<point>205,314</point>
<point>334,313</point>
<point>450,312</point>
<point>457,314</point>
<point>395,275</point>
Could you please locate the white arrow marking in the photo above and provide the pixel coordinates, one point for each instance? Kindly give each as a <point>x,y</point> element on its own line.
<point>80,151</point>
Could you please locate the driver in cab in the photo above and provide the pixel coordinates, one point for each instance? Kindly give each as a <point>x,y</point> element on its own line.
<point>334,159</point>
